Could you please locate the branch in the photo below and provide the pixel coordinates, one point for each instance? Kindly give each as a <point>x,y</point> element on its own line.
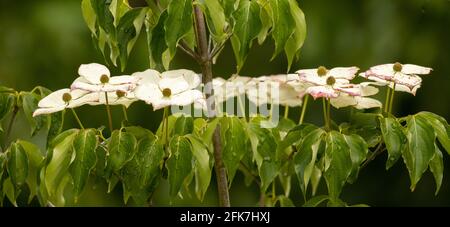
<point>186,49</point>
<point>377,152</point>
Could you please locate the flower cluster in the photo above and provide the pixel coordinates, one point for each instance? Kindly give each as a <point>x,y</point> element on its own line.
<point>96,86</point>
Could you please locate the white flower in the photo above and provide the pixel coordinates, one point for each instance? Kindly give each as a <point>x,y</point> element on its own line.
<point>274,90</point>
<point>405,76</point>
<point>329,83</point>
<point>115,98</point>
<point>226,89</point>
<point>62,99</point>
<point>359,102</point>
<point>96,78</point>
<point>176,87</point>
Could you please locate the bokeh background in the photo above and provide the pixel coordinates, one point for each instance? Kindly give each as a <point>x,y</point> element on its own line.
<point>43,43</point>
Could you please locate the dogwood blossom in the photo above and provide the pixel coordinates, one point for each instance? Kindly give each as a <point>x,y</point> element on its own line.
<point>273,89</point>
<point>95,77</point>
<point>175,87</point>
<point>226,89</point>
<point>115,98</point>
<point>329,83</point>
<point>405,77</point>
<point>359,102</point>
<point>62,99</point>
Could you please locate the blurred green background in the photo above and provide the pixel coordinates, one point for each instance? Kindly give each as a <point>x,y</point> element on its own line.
<point>43,43</point>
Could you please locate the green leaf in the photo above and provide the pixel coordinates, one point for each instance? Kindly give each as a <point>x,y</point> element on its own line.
<point>358,152</point>
<point>59,159</point>
<point>441,128</point>
<point>437,168</point>
<point>229,7</point>
<point>316,176</point>
<point>178,23</point>
<point>2,165</point>
<point>316,201</point>
<point>265,15</point>
<point>420,149</point>
<point>183,125</point>
<point>139,132</point>
<point>294,137</point>
<point>56,125</point>
<point>121,149</point>
<point>296,40</point>
<point>89,15</point>
<point>156,41</point>
<point>7,101</point>
<point>234,140</point>
<point>283,24</point>
<point>35,159</point>
<point>10,192</point>
<point>215,18</point>
<point>84,146</point>
<point>141,175</point>
<point>338,163</point>
<point>128,31</point>
<point>246,29</point>
<point>202,166</point>
<point>264,152</point>
<point>179,164</point>
<point>305,158</point>
<point>104,16</point>
<point>285,201</point>
<point>17,165</point>
<point>118,8</point>
<point>394,138</point>
<point>30,104</point>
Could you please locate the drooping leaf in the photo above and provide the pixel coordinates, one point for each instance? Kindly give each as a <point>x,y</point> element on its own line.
<point>141,174</point>
<point>437,168</point>
<point>30,103</point>
<point>234,140</point>
<point>283,24</point>
<point>294,137</point>
<point>178,23</point>
<point>296,40</point>
<point>17,165</point>
<point>10,192</point>
<point>440,126</point>
<point>394,138</point>
<point>104,16</point>
<point>420,148</point>
<point>316,176</point>
<point>84,146</point>
<point>285,201</point>
<point>35,159</point>
<point>156,40</point>
<point>121,149</point>
<point>7,101</point>
<point>305,158</point>
<point>358,152</point>
<point>215,18</point>
<point>139,132</point>
<point>202,166</point>
<point>338,163</point>
<point>179,164</point>
<point>246,29</point>
<point>229,7</point>
<point>56,125</point>
<point>118,8</point>
<point>316,201</point>
<point>183,125</point>
<point>265,15</point>
<point>89,15</point>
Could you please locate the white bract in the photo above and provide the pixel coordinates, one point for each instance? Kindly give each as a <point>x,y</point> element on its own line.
<point>62,99</point>
<point>274,90</point>
<point>359,102</point>
<point>405,76</point>
<point>115,98</point>
<point>226,89</point>
<point>329,83</point>
<point>95,77</point>
<point>176,87</point>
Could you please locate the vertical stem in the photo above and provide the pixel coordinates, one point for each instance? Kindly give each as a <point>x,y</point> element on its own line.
<point>206,65</point>
<point>108,111</point>
<point>304,105</point>
<point>77,118</point>
<point>11,123</point>
<point>329,113</point>
<point>392,99</point>
<point>286,112</point>
<point>125,115</point>
<point>386,102</point>
<point>165,129</point>
<point>325,114</point>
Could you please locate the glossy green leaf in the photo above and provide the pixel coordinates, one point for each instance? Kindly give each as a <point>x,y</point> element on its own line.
<point>179,164</point>
<point>305,158</point>
<point>246,29</point>
<point>394,138</point>
<point>338,163</point>
<point>234,140</point>
<point>440,126</point>
<point>283,24</point>
<point>141,175</point>
<point>56,125</point>
<point>17,165</point>
<point>296,40</point>
<point>420,148</point>
<point>316,176</point>
<point>89,15</point>
<point>202,166</point>
<point>128,30</point>
<point>30,104</point>
<point>139,132</point>
<point>104,16</point>
<point>265,15</point>
<point>183,125</point>
<point>294,137</point>
<point>59,159</point>
<point>84,147</point>
<point>35,159</point>
<point>121,149</point>
<point>118,8</point>
<point>178,23</point>
<point>215,18</point>
<point>156,41</point>
<point>437,168</point>
<point>10,192</point>
<point>316,201</point>
<point>358,152</point>
<point>7,101</point>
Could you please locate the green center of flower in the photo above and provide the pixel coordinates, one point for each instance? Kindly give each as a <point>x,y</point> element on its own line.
<point>120,94</point>
<point>104,79</point>
<point>397,67</point>
<point>322,71</point>
<point>166,92</point>
<point>331,81</point>
<point>66,97</point>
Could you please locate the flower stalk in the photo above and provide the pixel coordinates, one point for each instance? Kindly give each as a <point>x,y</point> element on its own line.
<point>108,111</point>
<point>77,119</point>
<point>302,114</point>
